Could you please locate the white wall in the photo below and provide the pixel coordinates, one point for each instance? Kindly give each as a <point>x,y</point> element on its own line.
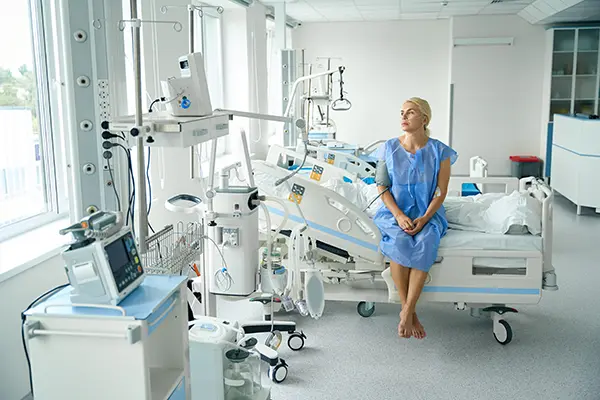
<point>497,92</point>
<point>386,63</point>
<point>15,295</point>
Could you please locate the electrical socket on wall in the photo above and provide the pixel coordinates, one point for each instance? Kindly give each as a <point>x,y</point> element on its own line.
<point>104,102</point>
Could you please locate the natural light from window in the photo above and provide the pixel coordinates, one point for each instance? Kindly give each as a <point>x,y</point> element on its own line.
<point>22,183</point>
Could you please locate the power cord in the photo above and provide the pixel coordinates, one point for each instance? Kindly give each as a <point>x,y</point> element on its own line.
<point>160,99</point>
<point>32,304</point>
<point>114,185</point>
<point>375,199</point>
<point>149,190</point>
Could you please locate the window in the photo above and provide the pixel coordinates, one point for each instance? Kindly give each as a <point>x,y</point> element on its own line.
<point>30,188</point>
<point>209,42</point>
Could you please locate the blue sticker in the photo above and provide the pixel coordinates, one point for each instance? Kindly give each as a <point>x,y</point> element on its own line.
<point>185,103</point>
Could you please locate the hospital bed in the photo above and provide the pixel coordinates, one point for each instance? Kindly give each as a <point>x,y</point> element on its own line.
<point>478,271</point>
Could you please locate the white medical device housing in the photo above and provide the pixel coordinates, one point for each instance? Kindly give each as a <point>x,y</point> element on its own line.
<point>236,234</point>
<point>104,271</point>
<point>209,340</point>
<point>188,95</point>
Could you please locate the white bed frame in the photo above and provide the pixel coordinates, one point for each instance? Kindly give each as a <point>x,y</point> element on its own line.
<point>280,156</point>
<point>340,159</point>
<point>453,279</point>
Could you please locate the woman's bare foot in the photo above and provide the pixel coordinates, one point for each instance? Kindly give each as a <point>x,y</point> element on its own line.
<point>405,327</point>
<point>418,331</point>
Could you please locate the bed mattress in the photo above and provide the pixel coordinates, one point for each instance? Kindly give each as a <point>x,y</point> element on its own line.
<point>466,240</point>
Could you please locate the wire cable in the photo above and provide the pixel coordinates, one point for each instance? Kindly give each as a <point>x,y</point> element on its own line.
<point>33,303</point>
<point>222,273</point>
<point>281,180</point>
<point>114,185</point>
<point>375,199</point>
<point>149,191</point>
<point>154,102</point>
<point>130,185</point>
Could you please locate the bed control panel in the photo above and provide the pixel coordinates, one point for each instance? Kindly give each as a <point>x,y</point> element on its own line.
<point>316,173</point>
<point>297,193</point>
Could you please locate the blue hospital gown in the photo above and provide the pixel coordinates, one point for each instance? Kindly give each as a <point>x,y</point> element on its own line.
<point>413,184</point>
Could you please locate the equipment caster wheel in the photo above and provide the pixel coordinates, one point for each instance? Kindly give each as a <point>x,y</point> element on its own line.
<point>296,341</point>
<point>365,308</point>
<point>279,372</point>
<point>502,332</point>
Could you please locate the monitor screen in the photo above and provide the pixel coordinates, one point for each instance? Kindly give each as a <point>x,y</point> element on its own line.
<point>124,260</point>
<point>118,256</point>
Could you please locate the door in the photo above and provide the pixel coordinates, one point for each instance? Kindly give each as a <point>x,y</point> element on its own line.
<point>496,104</point>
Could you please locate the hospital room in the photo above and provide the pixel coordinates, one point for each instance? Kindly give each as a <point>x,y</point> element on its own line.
<point>299,199</point>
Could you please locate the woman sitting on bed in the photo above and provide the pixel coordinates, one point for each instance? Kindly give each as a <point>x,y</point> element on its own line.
<point>416,170</point>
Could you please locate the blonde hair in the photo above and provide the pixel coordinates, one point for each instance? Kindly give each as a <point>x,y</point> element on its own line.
<point>424,108</point>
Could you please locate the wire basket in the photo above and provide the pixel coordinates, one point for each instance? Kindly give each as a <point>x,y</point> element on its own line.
<point>171,250</point>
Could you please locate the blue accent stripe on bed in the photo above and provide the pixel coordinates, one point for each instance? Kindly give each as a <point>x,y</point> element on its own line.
<point>327,230</point>
<point>453,289</point>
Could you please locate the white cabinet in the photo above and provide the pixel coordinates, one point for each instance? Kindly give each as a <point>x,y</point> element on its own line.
<point>138,350</point>
<point>572,82</point>
<point>576,160</point>
<point>575,66</point>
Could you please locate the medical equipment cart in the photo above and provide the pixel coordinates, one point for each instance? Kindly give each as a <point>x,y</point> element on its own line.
<point>136,350</point>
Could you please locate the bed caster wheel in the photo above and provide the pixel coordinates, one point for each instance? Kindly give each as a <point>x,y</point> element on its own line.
<point>279,372</point>
<point>365,308</point>
<point>502,332</point>
<point>296,341</point>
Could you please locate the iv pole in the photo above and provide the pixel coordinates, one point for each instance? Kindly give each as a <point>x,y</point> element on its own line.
<point>140,189</point>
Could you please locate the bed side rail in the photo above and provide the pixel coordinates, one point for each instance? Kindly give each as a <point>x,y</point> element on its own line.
<point>509,184</point>
<point>331,218</point>
<point>345,161</point>
<point>318,170</point>
<point>541,191</point>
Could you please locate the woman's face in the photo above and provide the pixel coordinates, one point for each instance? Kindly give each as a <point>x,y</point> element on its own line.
<point>411,118</point>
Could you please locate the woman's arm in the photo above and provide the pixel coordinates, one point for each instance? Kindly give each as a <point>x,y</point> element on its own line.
<point>443,180</point>
<point>436,202</point>
<point>389,202</point>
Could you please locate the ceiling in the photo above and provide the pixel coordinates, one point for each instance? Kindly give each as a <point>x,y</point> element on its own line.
<point>534,11</point>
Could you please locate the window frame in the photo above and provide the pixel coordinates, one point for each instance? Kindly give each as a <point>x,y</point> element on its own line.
<point>54,184</point>
<point>202,36</point>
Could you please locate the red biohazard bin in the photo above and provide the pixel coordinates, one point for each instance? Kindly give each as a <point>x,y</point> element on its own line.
<point>525,166</point>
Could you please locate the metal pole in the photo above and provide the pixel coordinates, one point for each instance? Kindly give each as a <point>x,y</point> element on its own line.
<point>191,50</point>
<point>140,189</point>
<point>191,28</point>
<point>329,89</point>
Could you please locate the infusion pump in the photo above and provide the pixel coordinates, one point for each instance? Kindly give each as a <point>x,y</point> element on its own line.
<point>103,264</point>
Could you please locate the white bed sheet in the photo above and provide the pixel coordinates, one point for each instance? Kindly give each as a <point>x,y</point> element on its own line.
<point>467,240</point>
